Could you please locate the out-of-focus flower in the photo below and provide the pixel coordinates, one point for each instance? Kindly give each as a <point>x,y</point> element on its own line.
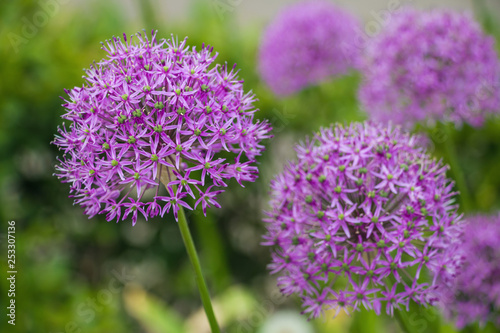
<point>307,43</point>
<point>474,295</point>
<point>360,220</point>
<point>428,66</point>
<point>156,112</point>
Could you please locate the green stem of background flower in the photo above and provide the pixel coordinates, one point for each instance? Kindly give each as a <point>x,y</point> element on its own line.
<point>400,315</point>
<point>456,170</point>
<point>403,321</point>
<point>193,256</point>
<point>212,250</point>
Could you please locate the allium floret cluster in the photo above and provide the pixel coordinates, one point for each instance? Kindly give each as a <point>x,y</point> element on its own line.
<point>364,218</point>
<point>474,295</point>
<point>428,66</point>
<point>152,112</point>
<point>307,43</point>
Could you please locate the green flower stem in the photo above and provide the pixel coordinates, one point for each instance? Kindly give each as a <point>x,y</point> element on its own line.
<point>148,15</point>
<point>403,321</point>
<point>400,315</point>
<point>193,256</point>
<point>214,255</point>
<point>456,170</point>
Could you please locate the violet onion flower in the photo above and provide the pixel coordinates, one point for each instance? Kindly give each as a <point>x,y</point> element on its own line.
<point>431,66</point>
<point>364,218</point>
<point>474,295</point>
<point>152,112</point>
<point>307,43</point>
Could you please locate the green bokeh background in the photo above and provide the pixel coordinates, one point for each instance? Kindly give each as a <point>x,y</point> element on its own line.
<point>92,276</point>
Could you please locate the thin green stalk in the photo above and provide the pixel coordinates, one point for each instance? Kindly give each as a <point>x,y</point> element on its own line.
<point>403,321</point>
<point>456,170</point>
<point>148,15</point>
<point>214,254</point>
<point>400,315</point>
<point>193,256</point>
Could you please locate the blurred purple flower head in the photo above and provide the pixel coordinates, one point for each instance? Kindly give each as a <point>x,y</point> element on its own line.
<point>428,66</point>
<point>360,220</point>
<point>156,112</point>
<point>307,43</point>
<point>474,295</point>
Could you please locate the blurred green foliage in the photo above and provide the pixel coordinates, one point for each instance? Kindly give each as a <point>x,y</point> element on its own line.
<point>79,275</point>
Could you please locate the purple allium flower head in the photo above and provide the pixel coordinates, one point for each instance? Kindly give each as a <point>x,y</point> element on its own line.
<point>474,295</point>
<point>361,219</point>
<point>307,43</point>
<point>157,112</point>
<point>428,66</point>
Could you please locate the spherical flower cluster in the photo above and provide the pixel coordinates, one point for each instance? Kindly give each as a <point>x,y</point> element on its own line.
<point>363,218</point>
<point>474,295</point>
<point>307,43</point>
<point>428,66</point>
<point>157,112</point>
